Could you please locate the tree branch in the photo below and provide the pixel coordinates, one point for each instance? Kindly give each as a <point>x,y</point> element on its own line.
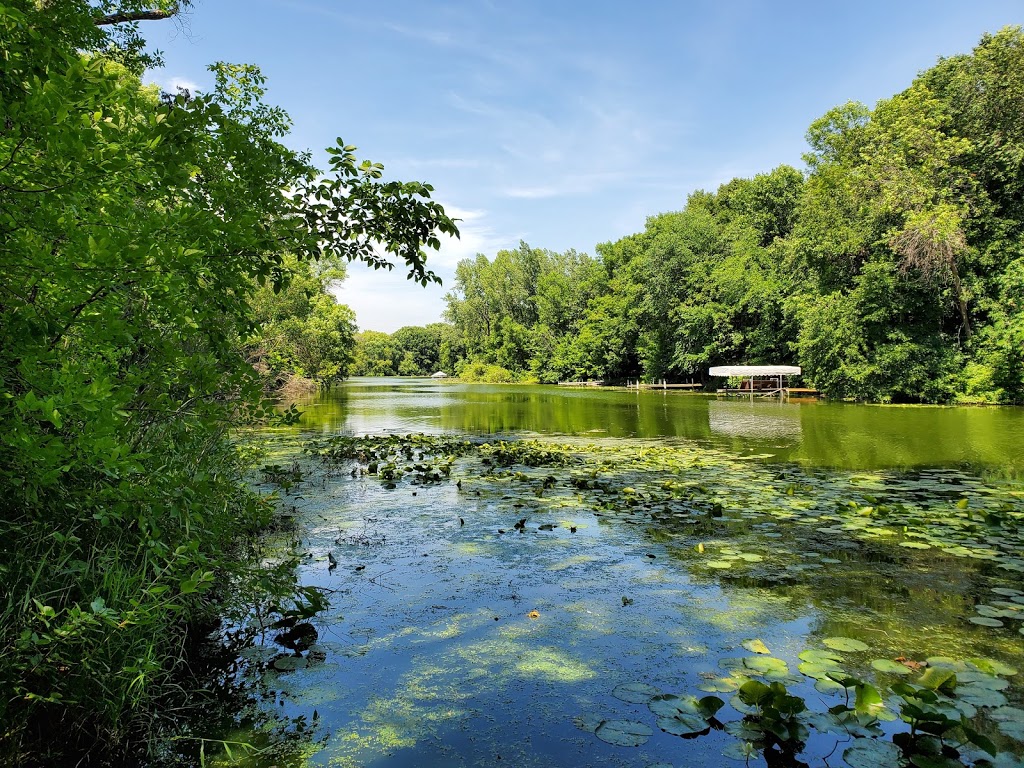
<point>122,18</point>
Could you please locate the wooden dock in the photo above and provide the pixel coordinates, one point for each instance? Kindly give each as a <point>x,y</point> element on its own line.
<point>661,385</point>
<point>775,392</point>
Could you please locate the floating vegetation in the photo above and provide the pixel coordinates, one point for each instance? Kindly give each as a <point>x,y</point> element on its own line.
<point>571,564</point>
<point>623,733</point>
<point>733,507</point>
<point>935,712</point>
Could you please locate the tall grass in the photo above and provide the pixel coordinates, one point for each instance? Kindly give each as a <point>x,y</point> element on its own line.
<point>96,610</point>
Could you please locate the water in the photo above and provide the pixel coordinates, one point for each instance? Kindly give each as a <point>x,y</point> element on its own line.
<point>456,639</point>
<point>806,432</point>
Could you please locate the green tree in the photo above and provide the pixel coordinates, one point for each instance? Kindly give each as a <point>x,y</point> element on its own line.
<point>302,330</point>
<point>420,347</point>
<point>375,354</point>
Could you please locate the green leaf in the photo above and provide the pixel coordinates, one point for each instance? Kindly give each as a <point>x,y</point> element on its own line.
<point>845,644</point>
<point>871,753</point>
<point>684,724</point>
<point>623,733</point>
<point>635,693</point>
<point>867,697</point>
<point>890,667</point>
<point>756,646</point>
<point>938,679</point>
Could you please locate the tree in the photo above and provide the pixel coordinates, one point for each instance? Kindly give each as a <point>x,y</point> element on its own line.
<point>302,330</point>
<point>374,354</point>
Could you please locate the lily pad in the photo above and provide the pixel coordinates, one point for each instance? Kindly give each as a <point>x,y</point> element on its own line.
<point>986,621</point>
<point>588,723</point>
<point>670,705</point>
<point>995,613</point>
<point>684,724</point>
<point>983,680</point>
<point>768,666</point>
<point>740,750</point>
<point>827,685</point>
<point>723,684</point>
<point>756,646</point>
<point>993,667</point>
<point>980,697</point>
<point>845,644</point>
<point>1006,591</point>
<point>623,733</point>
<point>289,663</point>
<point>871,753</point>
<point>635,693</point>
<point>890,667</point>
<point>744,730</point>
<point>819,670</point>
<point>817,655</point>
<point>1010,721</point>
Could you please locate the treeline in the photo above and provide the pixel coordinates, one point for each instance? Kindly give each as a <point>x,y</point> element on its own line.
<point>410,351</point>
<point>153,246</point>
<point>891,269</point>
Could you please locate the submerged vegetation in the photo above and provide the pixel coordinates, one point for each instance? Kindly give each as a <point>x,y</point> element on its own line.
<point>891,269</point>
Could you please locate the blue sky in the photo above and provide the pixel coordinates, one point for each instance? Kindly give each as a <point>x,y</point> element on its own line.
<point>562,123</point>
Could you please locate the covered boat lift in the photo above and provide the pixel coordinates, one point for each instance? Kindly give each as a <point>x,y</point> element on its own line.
<point>760,379</point>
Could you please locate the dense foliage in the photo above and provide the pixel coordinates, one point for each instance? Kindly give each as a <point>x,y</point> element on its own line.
<point>410,351</point>
<point>134,229</point>
<point>302,332</point>
<point>891,269</point>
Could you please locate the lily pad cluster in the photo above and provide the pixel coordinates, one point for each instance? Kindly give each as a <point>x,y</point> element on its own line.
<point>762,524</point>
<point>937,711</point>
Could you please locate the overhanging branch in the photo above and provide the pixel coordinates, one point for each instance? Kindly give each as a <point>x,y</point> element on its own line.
<point>122,18</point>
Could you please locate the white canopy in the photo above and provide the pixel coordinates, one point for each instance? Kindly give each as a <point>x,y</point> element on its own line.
<point>440,375</point>
<point>754,370</point>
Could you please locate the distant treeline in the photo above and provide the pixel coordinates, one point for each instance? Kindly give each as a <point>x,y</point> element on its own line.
<point>891,269</point>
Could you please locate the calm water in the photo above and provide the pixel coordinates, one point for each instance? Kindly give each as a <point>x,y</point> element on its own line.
<point>456,639</point>
<point>806,432</point>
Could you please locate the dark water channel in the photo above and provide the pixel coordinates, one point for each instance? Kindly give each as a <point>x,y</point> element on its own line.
<point>455,638</point>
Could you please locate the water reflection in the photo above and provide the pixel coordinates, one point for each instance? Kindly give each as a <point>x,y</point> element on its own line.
<point>811,433</point>
<point>756,419</point>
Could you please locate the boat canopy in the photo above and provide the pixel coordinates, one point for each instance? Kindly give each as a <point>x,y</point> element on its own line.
<point>754,370</point>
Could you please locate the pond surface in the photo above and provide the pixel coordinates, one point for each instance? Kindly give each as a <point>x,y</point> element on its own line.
<point>807,432</point>
<point>521,607</point>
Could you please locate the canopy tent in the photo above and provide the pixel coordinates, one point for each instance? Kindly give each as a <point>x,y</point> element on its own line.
<point>755,370</point>
<point>439,375</point>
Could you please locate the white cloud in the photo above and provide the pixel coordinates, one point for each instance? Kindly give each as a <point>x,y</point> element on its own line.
<point>476,236</point>
<point>176,83</point>
<point>171,83</point>
<point>385,300</point>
